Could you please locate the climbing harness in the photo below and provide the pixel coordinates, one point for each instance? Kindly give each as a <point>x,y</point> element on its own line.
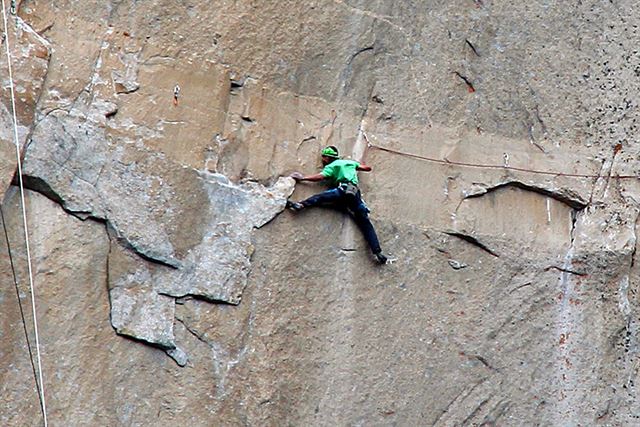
<point>24,212</point>
<point>349,189</point>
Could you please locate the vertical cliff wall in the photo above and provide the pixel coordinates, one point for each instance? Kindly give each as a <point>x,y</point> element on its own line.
<point>172,286</point>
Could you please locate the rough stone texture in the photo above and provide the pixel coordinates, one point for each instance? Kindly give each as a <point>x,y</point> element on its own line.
<point>91,375</point>
<point>142,293</point>
<point>502,141</point>
<point>30,55</point>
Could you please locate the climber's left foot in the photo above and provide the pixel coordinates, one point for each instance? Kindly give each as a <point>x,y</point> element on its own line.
<point>295,206</point>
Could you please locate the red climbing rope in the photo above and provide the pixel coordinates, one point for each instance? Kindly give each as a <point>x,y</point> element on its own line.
<point>485,166</point>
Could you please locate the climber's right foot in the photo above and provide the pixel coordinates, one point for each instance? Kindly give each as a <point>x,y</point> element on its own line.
<point>381,258</point>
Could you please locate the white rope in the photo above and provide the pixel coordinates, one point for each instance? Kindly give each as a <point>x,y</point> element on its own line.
<point>24,215</point>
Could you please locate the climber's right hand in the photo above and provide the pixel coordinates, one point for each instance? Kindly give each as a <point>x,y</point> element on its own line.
<point>297,176</point>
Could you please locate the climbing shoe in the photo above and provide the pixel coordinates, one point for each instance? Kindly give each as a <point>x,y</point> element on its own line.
<point>295,206</point>
<point>380,258</point>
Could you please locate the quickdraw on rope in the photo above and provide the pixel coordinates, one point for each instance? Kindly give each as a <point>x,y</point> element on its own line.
<point>24,211</point>
<point>176,94</point>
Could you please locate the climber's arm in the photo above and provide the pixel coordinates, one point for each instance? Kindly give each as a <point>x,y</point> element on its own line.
<point>364,168</point>
<point>299,177</point>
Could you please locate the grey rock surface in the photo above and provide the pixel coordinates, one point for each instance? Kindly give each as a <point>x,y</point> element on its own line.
<point>502,137</point>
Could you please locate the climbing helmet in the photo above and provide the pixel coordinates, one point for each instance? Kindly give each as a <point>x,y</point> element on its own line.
<point>330,151</point>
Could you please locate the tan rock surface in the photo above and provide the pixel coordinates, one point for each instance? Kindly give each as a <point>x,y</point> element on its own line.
<point>91,375</point>
<point>502,137</point>
<point>29,53</point>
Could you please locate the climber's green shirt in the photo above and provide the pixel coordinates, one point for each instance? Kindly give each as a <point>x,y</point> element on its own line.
<point>340,171</point>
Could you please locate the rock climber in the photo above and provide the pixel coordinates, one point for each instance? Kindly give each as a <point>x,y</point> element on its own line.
<point>344,195</point>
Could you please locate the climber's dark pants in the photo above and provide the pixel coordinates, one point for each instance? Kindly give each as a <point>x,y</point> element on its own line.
<point>354,206</point>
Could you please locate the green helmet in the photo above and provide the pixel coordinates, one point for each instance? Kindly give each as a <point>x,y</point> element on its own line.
<point>330,151</point>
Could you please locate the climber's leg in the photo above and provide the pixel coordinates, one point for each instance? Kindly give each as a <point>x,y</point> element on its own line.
<point>328,197</point>
<point>360,214</point>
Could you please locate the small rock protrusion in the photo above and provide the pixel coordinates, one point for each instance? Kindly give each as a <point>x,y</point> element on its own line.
<point>179,356</point>
<point>457,265</point>
<point>236,83</point>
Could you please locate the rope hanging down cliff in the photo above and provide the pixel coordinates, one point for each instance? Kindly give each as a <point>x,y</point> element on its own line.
<point>24,212</point>
<point>24,322</point>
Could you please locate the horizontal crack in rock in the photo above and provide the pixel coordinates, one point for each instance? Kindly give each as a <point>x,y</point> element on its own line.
<point>475,242</point>
<point>40,186</point>
<point>358,52</point>
<point>143,341</point>
<point>569,200</point>
<point>524,285</point>
<point>565,270</point>
<point>484,362</point>
<point>198,336</point>
<point>180,298</point>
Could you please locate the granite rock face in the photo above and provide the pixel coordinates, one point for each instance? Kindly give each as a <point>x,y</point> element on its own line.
<point>156,137</point>
<point>29,53</point>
